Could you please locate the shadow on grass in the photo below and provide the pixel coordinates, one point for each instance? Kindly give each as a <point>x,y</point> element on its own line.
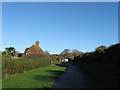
<point>48,79</point>
<point>55,74</point>
<point>52,76</point>
<point>44,78</point>
<point>55,71</point>
<point>63,64</point>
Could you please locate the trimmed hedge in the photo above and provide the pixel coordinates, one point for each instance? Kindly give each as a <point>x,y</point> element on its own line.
<point>13,66</point>
<point>109,56</point>
<point>33,56</point>
<point>101,66</point>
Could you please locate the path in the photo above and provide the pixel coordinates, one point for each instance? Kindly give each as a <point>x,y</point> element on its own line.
<point>72,78</point>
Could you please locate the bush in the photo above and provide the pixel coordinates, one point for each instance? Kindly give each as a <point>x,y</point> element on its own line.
<point>13,66</point>
<point>55,61</point>
<point>34,56</point>
<point>102,66</point>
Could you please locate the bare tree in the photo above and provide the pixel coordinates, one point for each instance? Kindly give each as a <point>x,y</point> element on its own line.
<point>65,51</point>
<point>67,54</point>
<point>46,52</point>
<point>76,53</point>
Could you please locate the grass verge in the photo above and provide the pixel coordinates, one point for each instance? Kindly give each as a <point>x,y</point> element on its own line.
<point>38,78</point>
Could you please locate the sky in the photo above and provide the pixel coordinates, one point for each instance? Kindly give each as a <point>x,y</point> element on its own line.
<point>59,25</point>
<point>60,0</point>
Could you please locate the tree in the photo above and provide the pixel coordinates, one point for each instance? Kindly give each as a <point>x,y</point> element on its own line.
<point>46,52</point>
<point>67,54</point>
<point>4,53</point>
<point>66,51</point>
<point>16,53</point>
<point>76,53</point>
<point>10,51</point>
<point>100,49</point>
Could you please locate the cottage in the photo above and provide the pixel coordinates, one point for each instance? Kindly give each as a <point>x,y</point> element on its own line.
<point>34,49</point>
<point>35,52</point>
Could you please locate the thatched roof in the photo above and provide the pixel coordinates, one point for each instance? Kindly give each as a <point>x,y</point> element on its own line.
<point>34,51</point>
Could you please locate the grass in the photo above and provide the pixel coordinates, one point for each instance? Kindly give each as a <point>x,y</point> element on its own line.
<point>39,78</point>
<point>10,67</point>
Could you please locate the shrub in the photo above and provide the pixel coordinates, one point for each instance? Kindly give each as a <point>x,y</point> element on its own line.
<point>55,61</point>
<point>101,55</point>
<point>100,64</point>
<point>34,56</point>
<point>13,66</point>
<point>101,48</point>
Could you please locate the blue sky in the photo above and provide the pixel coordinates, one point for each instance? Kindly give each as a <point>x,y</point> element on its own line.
<point>59,26</point>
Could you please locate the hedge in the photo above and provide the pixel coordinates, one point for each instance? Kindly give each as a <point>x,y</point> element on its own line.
<point>13,66</point>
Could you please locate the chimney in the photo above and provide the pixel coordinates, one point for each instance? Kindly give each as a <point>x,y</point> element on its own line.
<point>37,43</point>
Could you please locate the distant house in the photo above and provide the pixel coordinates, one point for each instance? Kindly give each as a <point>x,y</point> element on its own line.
<point>35,51</point>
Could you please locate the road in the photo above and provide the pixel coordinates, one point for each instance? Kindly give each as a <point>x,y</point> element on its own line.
<point>73,78</point>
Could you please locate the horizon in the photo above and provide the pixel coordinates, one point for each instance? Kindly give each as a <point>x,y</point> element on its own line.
<point>65,48</point>
<point>59,26</point>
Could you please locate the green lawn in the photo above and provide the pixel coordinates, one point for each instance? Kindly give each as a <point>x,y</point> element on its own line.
<point>38,78</point>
